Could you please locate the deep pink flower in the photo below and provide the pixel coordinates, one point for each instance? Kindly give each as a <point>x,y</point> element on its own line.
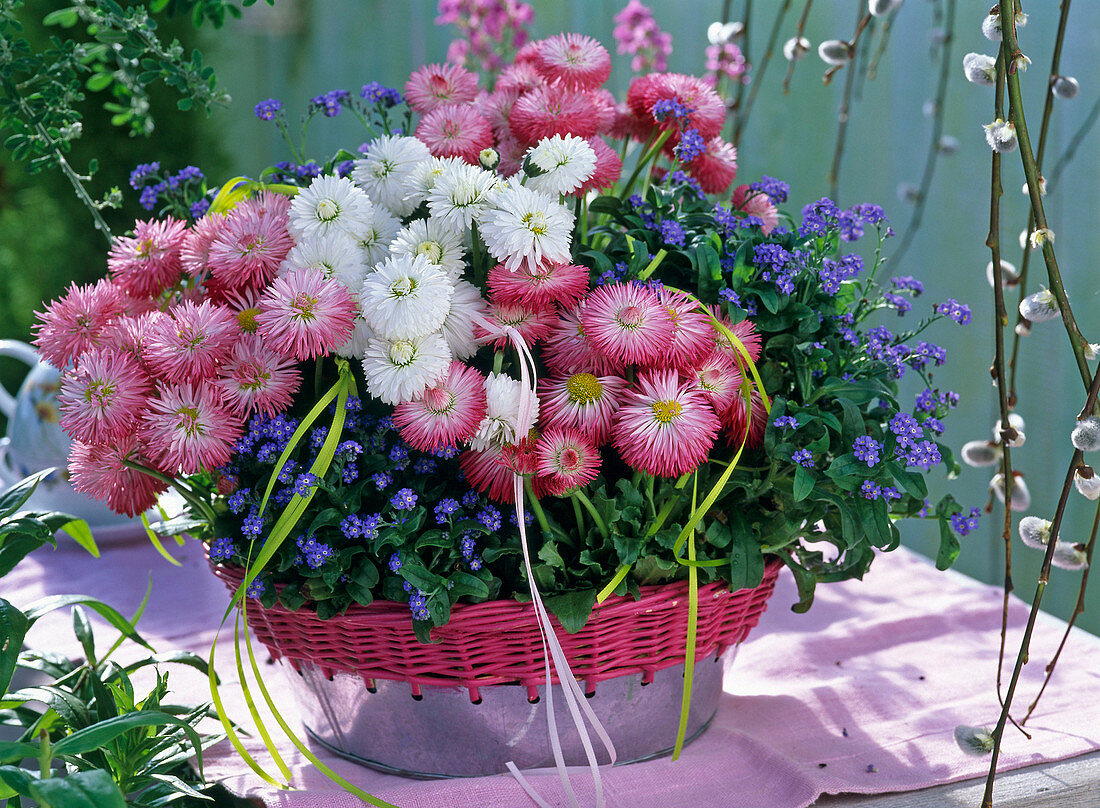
<point>567,350</point>
<point>455,130</point>
<point>716,167</point>
<point>192,343</point>
<point>76,321</point>
<point>102,398</point>
<point>496,108</point>
<point>548,111</point>
<point>195,250</point>
<point>188,430</point>
<point>756,203</point>
<point>708,113</point>
<point>149,262</point>
<point>304,314</point>
<point>485,472</point>
<point>581,401</point>
<point>255,378</point>
<point>567,459</point>
<point>250,247</point>
<point>692,334</point>
<point>733,420</point>
<point>130,335</point>
<point>609,167</point>
<point>718,378</point>
<point>745,332</point>
<point>576,61</point>
<point>532,321</point>
<point>564,284</point>
<point>444,415</point>
<point>663,427</point>
<point>432,86</point>
<point>627,323</point>
<point>100,472</point>
<point>520,77</point>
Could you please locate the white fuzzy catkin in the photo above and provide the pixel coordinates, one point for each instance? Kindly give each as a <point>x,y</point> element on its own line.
<point>1034,531</point>
<point>1088,487</point>
<point>1010,276</point>
<point>880,8</point>
<point>795,48</point>
<point>1016,421</point>
<point>1086,435</point>
<point>1069,556</point>
<point>1039,307</point>
<point>1021,494</point>
<point>834,52</point>
<point>979,453</point>
<point>1064,87</point>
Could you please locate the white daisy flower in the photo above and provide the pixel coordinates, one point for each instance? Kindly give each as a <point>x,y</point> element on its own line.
<point>458,328</point>
<point>442,247</point>
<point>337,256</point>
<point>374,237</point>
<point>385,169</point>
<point>356,346</point>
<point>406,297</point>
<point>527,228</point>
<point>501,423</point>
<point>461,193</point>
<point>400,370</point>
<point>566,164</point>
<point>422,179</point>
<point>329,204</point>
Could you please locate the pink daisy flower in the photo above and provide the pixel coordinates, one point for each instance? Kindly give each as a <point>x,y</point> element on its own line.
<point>566,350</point>
<point>628,124</point>
<point>663,427</point>
<point>733,420</point>
<point>250,247</point>
<point>102,397</point>
<point>187,428</point>
<point>532,321</point>
<point>520,77</point>
<point>548,111</point>
<point>716,167</point>
<point>455,130</point>
<point>76,321</point>
<point>576,61</point>
<point>485,472</point>
<point>100,472</point>
<point>195,250</point>
<point>432,86</point>
<point>447,413</point>
<point>256,379</point>
<point>756,203</point>
<point>304,314</point>
<point>718,379</point>
<point>192,343</point>
<point>708,113</point>
<point>149,262</point>
<point>609,167</point>
<point>745,331</point>
<point>692,334</point>
<point>130,335</point>
<point>496,108</point>
<point>567,459</point>
<point>627,323</point>
<point>581,401</point>
<point>564,284</point>
<point>268,203</point>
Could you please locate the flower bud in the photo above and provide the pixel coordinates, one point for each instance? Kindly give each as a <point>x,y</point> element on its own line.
<point>1092,350</point>
<point>1064,87</point>
<point>1034,532</point>
<point>979,68</point>
<point>488,158</point>
<point>1016,421</point>
<point>1023,239</point>
<point>1023,328</point>
<point>880,8</point>
<point>948,144</point>
<point>974,740</point>
<point>1020,63</point>
<point>795,48</point>
<point>991,25</point>
<point>1087,482</point>
<point>1001,136</point>
<point>1010,276</point>
<point>719,33</point>
<point>980,453</point>
<point>834,52</point>
<point>1039,307</point>
<point>1041,237</point>
<point>1042,187</point>
<point>1021,494</point>
<point>1070,556</point>
<point>1086,435</point>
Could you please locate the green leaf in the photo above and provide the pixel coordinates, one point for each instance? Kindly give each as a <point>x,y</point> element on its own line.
<point>102,733</point>
<point>83,631</point>
<point>99,81</point>
<point>853,421</point>
<point>803,483</point>
<point>90,789</point>
<point>13,498</point>
<point>54,602</point>
<point>184,104</point>
<point>17,781</point>
<point>13,628</point>
<point>913,482</point>
<point>949,545</point>
<point>572,609</point>
<point>78,531</point>
<point>63,18</point>
<point>421,578</point>
<point>549,553</point>
<point>470,585</point>
<point>804,580</point>
<point>12,551</point>
<point>746,561</point>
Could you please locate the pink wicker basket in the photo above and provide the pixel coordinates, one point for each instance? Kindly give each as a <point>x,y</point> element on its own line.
<point>497,642</point>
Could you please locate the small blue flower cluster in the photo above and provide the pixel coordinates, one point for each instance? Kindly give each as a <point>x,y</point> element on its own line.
<point>287,171</point>
<point>266,110</point>
<point>786,422</point>
<point>959,312</point>
<point>355,526</point>
<point>867,449</point>
<point>313,553</point>
<point>803,457</point>
<point>672,232</point>
<point>776,190</point>
<point>331,102</point>
<point>926,352</point>
<point>691,145</point>
<point>670,106</point>
<point>833,273</point>
<point>222,549</point>
<point>375,93</point>
<point>818,217</point>
<point>909,284</point>
<point>963,524</point>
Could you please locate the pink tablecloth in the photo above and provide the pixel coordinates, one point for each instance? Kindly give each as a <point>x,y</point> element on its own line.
<point>862,694</point>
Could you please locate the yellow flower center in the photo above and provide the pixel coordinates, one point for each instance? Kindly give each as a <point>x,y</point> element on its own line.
<point>535,221</point>
<point>666,411</point>
<point>246,319</point>
<point>327,210</point>
<point>583,388</point>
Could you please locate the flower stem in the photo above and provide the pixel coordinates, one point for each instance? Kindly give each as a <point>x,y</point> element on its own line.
<point>536,506</point>
<point>579,495</point>
<point>184,491</point>
<point>652,151</point>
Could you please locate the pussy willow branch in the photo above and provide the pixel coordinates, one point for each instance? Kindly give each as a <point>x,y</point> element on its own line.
<point>1012,51</point>
<point>860,26</point>
<point>843,113</point>
<point>1048,110</point>
<point>797,38</point>
<point>884,38</point>
<point>1040,587</point>
<point>746,19</point>
<point>758,72</point>
<point>1078,609</point>
<point>946,66</point>
<point>1075,143</point>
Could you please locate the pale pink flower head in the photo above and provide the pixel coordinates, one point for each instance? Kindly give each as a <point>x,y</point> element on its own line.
<point>187,429</point>
<point>664,427</point>
<point>745,332</point>
<point>707,111</point>
<point>102,398</point>
<point>485,472</point>
<point>195,250</point>
<point>581,401</point>
<point>756,203</point>
<point>192,343</point>
<point>637,33</point>
<point>718,378</point>
<point>531,320</point>
<point>566,350</point>
<point>76,321</point>
<point>692,332</point>
<point>255,378</point>
<point>520,77</point>
<point>627,323</point>
<point>149,262</point>
<point>433,86</point>
<point>733,419</point>
<point>575,61</point>
<point>99,471</point>
<point>304,314</point>
<point>445,414</point>
<point>716,167</point>
<point>567,459</point>
<point>548,111</point>
<point>130,335</point>
<point>455,130</point>
<point>564,284</point>
<point>248,250</point>
<point>609,167</point>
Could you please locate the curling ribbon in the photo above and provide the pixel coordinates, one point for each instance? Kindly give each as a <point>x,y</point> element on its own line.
<point>579,708</point>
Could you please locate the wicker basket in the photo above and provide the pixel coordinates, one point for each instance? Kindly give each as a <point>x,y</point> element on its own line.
<point>486,671</point>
